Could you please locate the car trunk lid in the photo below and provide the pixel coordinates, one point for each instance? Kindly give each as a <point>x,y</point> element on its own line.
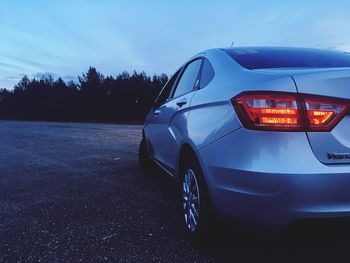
<point>329,147</point>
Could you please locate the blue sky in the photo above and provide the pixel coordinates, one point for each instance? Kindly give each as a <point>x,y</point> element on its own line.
<point>65,37</point>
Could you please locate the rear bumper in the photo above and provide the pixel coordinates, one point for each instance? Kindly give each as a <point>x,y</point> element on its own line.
<point>273,178</point>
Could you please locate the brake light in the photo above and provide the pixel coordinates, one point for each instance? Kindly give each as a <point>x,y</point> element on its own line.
<point>323,114</point>
<point>288,111</point>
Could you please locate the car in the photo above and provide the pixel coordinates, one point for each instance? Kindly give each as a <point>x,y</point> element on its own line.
<point>259,135</point>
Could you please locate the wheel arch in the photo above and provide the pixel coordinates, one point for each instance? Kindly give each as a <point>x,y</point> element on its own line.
<point>186,150</point>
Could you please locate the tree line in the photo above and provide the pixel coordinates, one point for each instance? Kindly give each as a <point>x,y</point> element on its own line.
<point>125,98</point>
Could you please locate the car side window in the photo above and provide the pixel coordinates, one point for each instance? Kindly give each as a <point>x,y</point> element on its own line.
<point>188,78</point>
<point>164,94</point>
<point>207,74</point>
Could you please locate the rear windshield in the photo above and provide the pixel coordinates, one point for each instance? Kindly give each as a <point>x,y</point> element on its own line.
<point>259,58</point>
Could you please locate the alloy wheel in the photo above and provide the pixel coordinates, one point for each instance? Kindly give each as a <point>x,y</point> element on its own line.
<point>191,200</point>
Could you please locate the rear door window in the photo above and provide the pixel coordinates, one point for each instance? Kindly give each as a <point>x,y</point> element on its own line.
<point>188,79</point>
<point>207,74</point>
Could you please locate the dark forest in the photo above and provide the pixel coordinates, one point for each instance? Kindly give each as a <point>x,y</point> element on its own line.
<point>126,98</point>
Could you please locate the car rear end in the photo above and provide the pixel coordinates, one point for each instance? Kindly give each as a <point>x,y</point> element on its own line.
<point>290,158</point>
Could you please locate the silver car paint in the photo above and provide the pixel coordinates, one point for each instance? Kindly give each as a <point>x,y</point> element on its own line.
<point>165,130</point>
<point>212,115</point>
<point>334,83</point>
<point>326,82</point>
<point>264,176</point>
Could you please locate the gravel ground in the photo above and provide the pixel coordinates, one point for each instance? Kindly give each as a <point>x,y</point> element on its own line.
<point>73,192</point>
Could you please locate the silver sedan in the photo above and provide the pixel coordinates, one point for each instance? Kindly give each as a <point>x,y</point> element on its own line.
<point>257,134</point>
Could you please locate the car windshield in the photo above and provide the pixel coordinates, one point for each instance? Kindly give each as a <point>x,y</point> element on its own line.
<point>259,58</point>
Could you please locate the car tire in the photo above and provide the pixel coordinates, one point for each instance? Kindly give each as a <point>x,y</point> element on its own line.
<point>145,160</point>
<point>205,219</point>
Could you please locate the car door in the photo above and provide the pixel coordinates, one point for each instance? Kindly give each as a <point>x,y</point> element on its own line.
<point>169,118</point>
<point>154,119</point>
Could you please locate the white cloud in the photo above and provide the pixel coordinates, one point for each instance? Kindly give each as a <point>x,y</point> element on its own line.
<point>66,37</point>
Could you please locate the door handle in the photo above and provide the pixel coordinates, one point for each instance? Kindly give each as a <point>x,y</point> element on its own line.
<point>156,112</point>
<point>181,102</point>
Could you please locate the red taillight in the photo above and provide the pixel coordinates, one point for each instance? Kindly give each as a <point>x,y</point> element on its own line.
<point>289,112</point>
<point>324,113</point>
